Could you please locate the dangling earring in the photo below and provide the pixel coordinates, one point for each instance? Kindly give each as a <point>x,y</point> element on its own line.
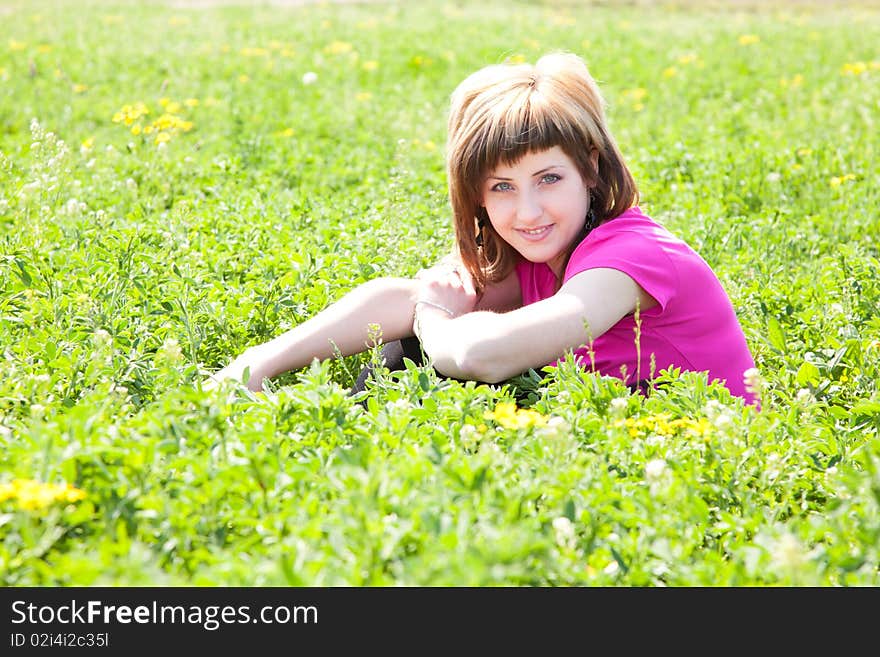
<point>591,214</point>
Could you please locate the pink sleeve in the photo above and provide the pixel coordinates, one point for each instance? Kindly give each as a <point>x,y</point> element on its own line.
<point>640,257</point>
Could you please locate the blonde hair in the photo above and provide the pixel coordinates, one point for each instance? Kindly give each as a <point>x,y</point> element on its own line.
<point>505,111</point>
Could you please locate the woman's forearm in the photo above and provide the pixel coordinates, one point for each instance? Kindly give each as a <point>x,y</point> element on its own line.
<point>456,346</point>
<point>348,326</point>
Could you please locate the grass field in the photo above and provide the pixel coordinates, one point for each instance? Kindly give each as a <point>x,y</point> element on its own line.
<point>179,181</point>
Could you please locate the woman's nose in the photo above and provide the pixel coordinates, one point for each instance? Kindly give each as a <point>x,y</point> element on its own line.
<point>528,208</point>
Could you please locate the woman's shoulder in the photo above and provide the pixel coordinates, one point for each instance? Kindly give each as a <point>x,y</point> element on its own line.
<point>632,225</point>
<point>631,219</point>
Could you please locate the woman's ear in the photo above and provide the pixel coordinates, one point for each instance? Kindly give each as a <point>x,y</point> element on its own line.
<point>594,160</point>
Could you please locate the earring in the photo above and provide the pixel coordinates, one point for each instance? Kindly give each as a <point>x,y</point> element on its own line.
<point>591,214</point>
<point>481,223</point>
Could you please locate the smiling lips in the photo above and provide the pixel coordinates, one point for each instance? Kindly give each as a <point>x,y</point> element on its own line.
<point>535,234</point>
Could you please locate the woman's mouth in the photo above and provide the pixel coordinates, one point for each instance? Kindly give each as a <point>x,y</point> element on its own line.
<point>535,234</point>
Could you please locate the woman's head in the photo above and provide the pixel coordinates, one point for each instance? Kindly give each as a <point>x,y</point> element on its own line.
<point>503,112</point>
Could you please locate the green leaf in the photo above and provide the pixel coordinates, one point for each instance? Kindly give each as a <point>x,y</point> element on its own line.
<point>775,334</point>
<point>807,374</point>
<point>23,273</point>
<point>866,408</point>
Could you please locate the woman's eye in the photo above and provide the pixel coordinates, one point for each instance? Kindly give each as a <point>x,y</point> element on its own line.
<point>501,187</point>
<point>551,178</point>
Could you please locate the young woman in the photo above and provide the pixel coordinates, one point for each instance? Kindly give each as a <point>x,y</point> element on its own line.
<point>553,255</point>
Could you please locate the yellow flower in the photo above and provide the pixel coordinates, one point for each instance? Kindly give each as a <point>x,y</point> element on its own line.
<point>33,495</point>
<point>363,96</point>
<point>854,68</point>
<point>748,39</point>
<point>370,65</point>
<point>191,102</point>
<point>80,88</point>
<point>670,72</point>
<point>162,138</point>
<point>510,417</point>
<point>130,113</point>
<point>16,45</point>
<point>837,181</point>
<point>338,48</point>
<point>636,94</point>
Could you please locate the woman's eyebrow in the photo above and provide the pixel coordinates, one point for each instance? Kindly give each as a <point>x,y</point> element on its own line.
<point>537,173</point>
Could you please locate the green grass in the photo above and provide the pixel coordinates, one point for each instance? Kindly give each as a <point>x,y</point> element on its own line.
<point>128,270</point>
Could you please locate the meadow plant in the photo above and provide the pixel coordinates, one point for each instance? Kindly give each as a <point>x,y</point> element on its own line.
<point>176,187</point>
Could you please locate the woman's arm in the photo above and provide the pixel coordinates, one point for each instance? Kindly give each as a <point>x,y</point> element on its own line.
<point>344,327</point>
<point>492,347</point>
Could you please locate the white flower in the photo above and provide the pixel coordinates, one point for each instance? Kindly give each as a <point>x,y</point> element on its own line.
<point>29,188</point>
<point>722,420</point>
<point>655,469</point>
<point>618,405</point>
<point>788,552</point>
<point>564,532</point>
<point>468,436</point>
<point>752,380</point>
<point>310,78</point>
<point>131,184</point>
<point>101,337</point>
<point>74,207</point>
<point>773,176</point>
<point>804,396</point>
<point>170,351</point>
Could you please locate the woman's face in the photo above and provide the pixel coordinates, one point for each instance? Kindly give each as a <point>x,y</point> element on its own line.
<point>538,205</point>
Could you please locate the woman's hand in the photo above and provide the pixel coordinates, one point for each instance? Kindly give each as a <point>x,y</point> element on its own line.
<point>447,285</point>
<point>252,359</point>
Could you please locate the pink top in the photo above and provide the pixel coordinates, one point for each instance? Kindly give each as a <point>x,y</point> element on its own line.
<point>693,326</point>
